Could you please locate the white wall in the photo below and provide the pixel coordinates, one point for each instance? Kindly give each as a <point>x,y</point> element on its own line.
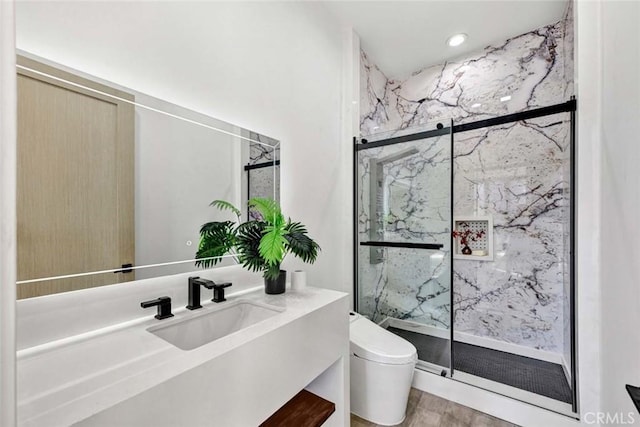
<point>274,67</point>
<point>7,215</point>
<point>608,93</point>
<point>620,238</point>
<point>609,90</point>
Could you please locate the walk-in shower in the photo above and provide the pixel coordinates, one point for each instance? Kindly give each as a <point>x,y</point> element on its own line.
<point>464,247</point>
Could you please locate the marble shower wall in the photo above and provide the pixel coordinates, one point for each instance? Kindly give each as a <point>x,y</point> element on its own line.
<point>411,284</point>
<point>514,173</point>
<point>531,68</point>
<point>517,173</point>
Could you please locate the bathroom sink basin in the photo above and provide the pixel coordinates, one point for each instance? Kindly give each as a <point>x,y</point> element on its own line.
<point>213,324</point>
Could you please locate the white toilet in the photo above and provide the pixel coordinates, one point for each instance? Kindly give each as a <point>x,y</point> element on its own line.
<point>382,367</point>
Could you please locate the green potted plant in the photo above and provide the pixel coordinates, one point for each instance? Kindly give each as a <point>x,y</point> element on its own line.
<point>259,245</point>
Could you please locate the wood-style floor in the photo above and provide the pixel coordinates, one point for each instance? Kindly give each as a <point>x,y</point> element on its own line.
<point>427,410</point>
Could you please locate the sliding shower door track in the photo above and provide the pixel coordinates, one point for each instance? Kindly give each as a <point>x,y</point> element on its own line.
<point>569,106</point>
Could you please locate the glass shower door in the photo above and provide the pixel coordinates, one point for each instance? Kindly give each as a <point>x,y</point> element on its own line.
<point>493,308</point>
<point>513,305</point>
<point>404,235</point>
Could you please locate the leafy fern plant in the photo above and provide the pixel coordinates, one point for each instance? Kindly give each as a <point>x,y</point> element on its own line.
<point>259,245</point>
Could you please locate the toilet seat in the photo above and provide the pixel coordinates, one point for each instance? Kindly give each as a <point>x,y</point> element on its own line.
<point>372,342</point>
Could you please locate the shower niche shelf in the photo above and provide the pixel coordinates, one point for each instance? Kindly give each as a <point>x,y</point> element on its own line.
<point>479,231</point>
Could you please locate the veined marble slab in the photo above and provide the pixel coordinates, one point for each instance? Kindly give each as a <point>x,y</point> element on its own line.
<point>518,173</point>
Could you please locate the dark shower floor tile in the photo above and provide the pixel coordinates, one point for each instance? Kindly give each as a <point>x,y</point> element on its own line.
<point>430,349</point>
<point>536,376</point>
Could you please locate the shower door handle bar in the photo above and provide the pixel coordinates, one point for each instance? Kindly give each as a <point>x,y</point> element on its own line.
<point>406,245</point>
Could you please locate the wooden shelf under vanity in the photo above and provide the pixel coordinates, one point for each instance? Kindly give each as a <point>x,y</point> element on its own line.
<point>305,409</point>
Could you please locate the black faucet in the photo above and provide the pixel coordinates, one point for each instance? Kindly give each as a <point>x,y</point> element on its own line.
<point>194,291</point>
<point>164,307</point>
<point>218,291</point>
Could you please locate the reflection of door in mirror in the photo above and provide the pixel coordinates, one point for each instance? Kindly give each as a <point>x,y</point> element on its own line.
<point>75,182</point>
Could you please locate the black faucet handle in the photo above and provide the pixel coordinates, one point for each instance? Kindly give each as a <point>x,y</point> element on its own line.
<point>164,306</point>
<point>218,291</point>
<point>221,285</point>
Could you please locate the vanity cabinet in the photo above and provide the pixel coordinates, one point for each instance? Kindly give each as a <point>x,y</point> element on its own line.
<point>127,376</point>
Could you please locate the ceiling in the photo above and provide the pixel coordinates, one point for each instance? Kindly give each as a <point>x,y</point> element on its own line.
<point>402,37</point>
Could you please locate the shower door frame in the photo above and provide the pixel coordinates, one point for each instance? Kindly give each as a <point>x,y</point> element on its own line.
<point>570,107</point>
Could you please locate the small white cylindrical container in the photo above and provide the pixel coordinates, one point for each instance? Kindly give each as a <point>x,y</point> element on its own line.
<point>298,280</point>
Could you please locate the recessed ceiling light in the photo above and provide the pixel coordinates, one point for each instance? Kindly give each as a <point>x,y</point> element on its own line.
<point>476,105</point>
<point>456,39</point>
<point>505,98</point>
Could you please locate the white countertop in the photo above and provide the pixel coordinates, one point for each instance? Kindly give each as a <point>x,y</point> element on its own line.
<point>66,381</point>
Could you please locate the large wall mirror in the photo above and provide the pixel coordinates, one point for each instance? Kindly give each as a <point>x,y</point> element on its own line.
<point>114,185</point>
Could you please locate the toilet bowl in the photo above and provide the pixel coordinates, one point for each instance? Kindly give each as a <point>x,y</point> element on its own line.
<point>382,367</point>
